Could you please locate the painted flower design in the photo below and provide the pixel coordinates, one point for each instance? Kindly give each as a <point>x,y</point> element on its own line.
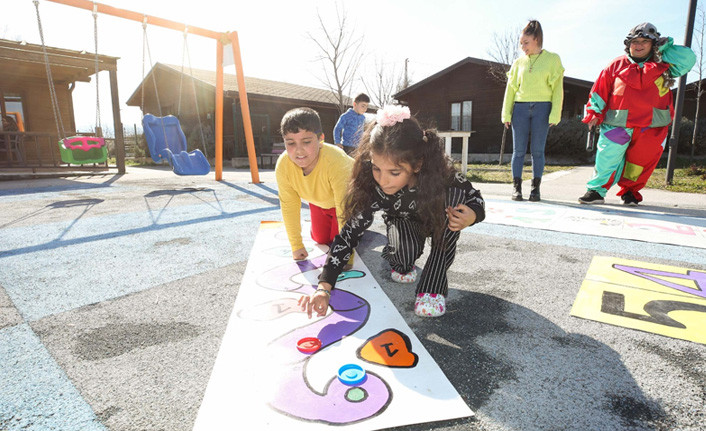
<point>430,305</point>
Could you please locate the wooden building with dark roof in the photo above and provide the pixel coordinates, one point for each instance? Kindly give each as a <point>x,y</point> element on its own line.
<point>466,96</point>
<point>268,101</point>
<point>25,96</point>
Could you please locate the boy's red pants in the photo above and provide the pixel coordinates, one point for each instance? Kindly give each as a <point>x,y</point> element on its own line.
<point>324,224</point>
<point>641,159</point>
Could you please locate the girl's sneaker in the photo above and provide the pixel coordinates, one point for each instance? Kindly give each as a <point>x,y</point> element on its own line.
<point>430,305</point>
<point>409,277</point>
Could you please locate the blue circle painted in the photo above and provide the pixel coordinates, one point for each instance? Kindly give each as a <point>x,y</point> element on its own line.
<point>351,374</point>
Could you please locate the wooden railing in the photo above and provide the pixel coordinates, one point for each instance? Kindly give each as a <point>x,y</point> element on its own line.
<point>448,135</point>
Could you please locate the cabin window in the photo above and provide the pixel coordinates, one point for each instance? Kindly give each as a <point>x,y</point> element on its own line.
<point>14,108</point>
<point>461,115</point>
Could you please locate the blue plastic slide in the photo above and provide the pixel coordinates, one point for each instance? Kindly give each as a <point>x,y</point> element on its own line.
<point>167,142</point>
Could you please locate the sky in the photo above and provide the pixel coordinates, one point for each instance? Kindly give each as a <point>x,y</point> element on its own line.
<point>274,41</point>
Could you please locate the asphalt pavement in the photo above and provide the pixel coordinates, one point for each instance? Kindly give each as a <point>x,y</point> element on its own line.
<point>115,291</point>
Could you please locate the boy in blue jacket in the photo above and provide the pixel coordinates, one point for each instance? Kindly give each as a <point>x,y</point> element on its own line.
<point>349,127</point>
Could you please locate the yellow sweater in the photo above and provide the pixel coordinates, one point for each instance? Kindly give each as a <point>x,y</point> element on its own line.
<point>325,187</point>
<point>545,83</point>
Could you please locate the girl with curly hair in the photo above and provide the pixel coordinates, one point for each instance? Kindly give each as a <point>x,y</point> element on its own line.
<point>402,170</point>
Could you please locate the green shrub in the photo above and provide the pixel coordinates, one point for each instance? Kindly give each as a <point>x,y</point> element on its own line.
<point>686,131</point>
<point>694,170</point>
<point>568,139</point>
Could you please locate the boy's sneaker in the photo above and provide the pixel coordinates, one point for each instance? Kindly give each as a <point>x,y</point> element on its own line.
<point>429,305</point>
<point>629,199</point>
<point>409,277</point>
<point>591,197</point>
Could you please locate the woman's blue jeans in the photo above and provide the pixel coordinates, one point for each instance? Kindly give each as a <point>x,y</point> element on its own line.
<point>529,119</point>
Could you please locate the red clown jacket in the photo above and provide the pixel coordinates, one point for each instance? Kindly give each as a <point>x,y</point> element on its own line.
<point>636,96</point>
<point>629,94</point>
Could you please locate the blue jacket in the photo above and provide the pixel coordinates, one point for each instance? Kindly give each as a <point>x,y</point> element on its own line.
<point>349,128</point>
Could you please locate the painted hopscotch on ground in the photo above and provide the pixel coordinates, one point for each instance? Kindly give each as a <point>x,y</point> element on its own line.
<point>260,376</point>
<point>602,221</point>
<point>661,299</point>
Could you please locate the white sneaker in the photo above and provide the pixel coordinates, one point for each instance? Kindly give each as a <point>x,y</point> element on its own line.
<point>430,305</point>
<point>409,277</point>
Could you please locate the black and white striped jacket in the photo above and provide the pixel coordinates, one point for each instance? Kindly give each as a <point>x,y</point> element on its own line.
<point>402,204</point>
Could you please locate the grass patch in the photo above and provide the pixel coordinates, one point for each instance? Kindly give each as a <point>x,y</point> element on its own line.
<point>493,173</point>
<point>688,176</point>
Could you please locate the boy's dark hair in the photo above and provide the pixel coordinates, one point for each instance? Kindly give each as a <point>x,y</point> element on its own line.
<point>534,29</point>
<point>301,119</point>
<point>362,97</point>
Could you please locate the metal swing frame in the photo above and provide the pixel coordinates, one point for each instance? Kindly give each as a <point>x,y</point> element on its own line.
<point>222,39</point>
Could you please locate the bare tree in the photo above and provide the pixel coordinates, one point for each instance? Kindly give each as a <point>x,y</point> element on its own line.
<point>340,53</point>
<point>504,51</point>
<point>699,30</point>
<point>384,83</point>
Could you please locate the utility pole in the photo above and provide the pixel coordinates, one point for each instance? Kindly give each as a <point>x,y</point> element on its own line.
<point>674,139</point>
<point>406,77</point>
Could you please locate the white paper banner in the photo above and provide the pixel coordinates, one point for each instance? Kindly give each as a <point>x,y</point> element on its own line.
<point>260,377</point>
<point>601,221</point>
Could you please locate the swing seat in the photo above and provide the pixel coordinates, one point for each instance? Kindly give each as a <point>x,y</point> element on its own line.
<point>80,150</point>
<point>166,141</point>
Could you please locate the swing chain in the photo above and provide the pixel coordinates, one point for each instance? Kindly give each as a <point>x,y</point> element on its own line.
<point>146,48</point>
<point>95,39</point>
<point>144,41</point>
<point>184,50</point>
<point>52,91</point>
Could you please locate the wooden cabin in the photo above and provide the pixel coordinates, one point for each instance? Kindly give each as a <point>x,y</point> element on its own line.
<point>467,97</point>
<point>25,98</point>
<point>268,102</point>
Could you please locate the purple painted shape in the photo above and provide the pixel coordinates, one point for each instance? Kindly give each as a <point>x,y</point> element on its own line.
<point>350,313</point>
<point>296,398</point>
<point>697,277</point>
<point>618,135</point>
<point>329,330</point>
<point>280,278</point>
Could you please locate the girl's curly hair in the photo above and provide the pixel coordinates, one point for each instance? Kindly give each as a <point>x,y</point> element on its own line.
<point>404,142</point>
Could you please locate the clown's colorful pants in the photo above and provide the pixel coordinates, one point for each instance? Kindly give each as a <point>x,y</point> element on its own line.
<point>626,156</point>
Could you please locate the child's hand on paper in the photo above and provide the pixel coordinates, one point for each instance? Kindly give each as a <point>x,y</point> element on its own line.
<point>317,301</point>
<point>300,254</point>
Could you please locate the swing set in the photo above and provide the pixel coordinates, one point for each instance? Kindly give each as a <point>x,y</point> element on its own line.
<point>164,135</point>
<point>77,150</point>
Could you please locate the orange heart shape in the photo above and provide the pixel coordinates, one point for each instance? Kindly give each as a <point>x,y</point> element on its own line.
<point>391,348</point>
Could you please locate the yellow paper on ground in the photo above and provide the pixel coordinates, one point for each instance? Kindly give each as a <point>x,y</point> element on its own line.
<point>660,299</point>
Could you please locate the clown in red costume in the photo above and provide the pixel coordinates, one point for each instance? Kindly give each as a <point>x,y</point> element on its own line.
<point>632,104</point>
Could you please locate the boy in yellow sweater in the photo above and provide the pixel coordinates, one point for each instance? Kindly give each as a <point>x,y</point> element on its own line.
<point>314,171</point>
